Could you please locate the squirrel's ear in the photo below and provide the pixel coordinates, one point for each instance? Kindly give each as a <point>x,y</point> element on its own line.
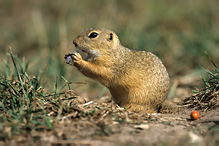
<point>110,37</point>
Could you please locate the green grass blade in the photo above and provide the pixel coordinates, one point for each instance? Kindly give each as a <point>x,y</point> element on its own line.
<point>48,122</point>
<point>18,74</point>
<point>209,72</point>
<point>69,88</point>
<point>56,86</point>
<point>216,67</point>
<point>7,68</point>
<point>205,81</point>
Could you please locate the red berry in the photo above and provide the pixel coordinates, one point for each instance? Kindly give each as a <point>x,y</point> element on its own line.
<point>194,115</point>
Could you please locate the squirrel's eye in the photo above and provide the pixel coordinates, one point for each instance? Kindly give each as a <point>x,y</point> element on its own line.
<point>93,35</point>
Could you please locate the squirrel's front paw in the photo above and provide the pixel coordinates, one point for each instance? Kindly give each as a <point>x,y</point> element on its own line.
<point>69,59</point>
<point>76,57</point>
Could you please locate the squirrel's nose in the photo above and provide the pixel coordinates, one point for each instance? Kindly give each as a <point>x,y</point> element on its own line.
<point>74,42</point>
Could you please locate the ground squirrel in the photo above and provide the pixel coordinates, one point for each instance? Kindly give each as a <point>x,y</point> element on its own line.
<point>137,80</point>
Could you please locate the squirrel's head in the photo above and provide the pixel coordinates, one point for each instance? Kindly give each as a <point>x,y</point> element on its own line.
<point>97,42</point>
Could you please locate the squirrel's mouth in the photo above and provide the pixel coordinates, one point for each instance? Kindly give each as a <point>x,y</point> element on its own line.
<point>84,53</point>
<point>91,54</point>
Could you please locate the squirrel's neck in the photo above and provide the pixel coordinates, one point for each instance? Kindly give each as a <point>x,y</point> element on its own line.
<point>120,52</point>
<point>113,58</point>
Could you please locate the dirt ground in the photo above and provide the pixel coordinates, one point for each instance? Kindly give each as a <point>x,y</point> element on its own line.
<point>101,122</point>
<point>175,128</point>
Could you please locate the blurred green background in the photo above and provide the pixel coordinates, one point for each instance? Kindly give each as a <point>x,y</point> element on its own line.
<point>41,32</point>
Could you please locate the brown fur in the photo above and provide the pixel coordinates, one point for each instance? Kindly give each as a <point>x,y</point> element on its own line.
<point>137,80</point>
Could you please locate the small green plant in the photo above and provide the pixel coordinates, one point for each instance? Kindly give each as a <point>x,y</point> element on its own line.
<point>21,105</point>
<point>208,97</point>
